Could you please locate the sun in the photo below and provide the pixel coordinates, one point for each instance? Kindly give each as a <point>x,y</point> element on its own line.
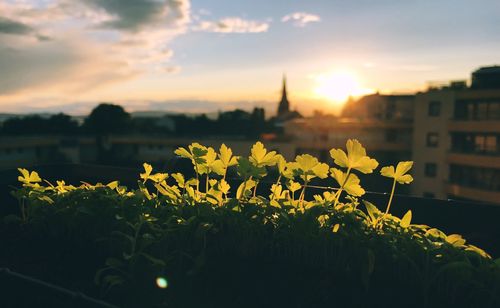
<point>338,86</point>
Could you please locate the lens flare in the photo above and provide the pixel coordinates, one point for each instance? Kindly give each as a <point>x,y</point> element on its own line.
<point>161,282</point>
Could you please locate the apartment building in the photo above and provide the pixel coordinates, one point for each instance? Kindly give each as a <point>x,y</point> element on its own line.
<point>451,132</point>
<point>456,137</point>
<point>382,123</point>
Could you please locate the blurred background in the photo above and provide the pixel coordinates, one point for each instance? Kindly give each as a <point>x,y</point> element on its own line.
<point>122,82</point>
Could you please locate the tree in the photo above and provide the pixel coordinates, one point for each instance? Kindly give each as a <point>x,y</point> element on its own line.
<point>58,124</point>
<point>108,119</point>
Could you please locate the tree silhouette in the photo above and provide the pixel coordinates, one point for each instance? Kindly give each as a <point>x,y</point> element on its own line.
<point>59,124</point>
<point>108,119</point>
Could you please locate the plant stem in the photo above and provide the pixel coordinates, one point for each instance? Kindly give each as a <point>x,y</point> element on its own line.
<point>339,192</point>
<point>274,190</point>
<point>390,198</point>
<point>303,192</point>
<point>206,184</point>
<point>197,178</point>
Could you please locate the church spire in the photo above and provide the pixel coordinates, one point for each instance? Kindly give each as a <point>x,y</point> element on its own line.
<point>284,105</point>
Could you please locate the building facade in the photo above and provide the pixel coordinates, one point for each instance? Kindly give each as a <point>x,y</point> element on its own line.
<point>456,140</point>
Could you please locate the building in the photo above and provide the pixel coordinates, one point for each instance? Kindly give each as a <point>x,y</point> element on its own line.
<point>456,139</point>
<point>451,132</point>
<point>382,123</point>
<point>284,113</point>
<point>381,107</point>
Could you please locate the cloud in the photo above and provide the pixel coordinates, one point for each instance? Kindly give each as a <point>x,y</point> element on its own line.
<point>62,47</point>
<point>9,26</point>
<point>172,69</point>
<point>232,25</point>
<point>59,66</point>
<point>300,19</point>
<point>135,15</point>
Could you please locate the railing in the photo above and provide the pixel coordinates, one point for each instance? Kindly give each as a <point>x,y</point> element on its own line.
<point>19,290</point>
<point>495,153</point>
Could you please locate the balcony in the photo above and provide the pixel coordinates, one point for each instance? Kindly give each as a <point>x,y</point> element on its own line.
<point>475,159</point>
<point>474,126</point>
<point>473,193</point>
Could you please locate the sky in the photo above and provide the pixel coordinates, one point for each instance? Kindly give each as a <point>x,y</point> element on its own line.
<point>209,55</point>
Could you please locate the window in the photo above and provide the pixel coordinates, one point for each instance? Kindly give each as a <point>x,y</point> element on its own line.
<point>485,144</point>
<point>430,170</point>
<point>482,111</point>
<point>475,177</point>
<point>494,110</point>
<point>490,144</point>
<point>471,111</point>
<point>432,139</point>
<point>479,143</point>
<point>390,110</point>
<point>434,109</point>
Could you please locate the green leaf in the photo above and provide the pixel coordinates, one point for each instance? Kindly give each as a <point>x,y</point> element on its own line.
<point>46,199</point>
<point>355,158</point>
<point>27,177</point>
<point>293,186</point>
<point>372,210</point>
<point>400,173</point>
<point>281,163</point>
<point>226,156</point>
<point>198,150</point>
<point>481,252</point>
<point>113,185</point>
<point>405,221</point>
<point>224,186</point>
<point>247,185</point>
<point>147,171</point>
<point>260,157</point>
<point>158,177</point>
<point>308,167</point>
<point>350,185</point>
<point>246,169</point>
<point>182,152</point>
<point>456,240</point>
<point>179,178</point>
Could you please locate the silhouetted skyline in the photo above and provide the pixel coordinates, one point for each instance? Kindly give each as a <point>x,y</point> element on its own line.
<point>69,55</point>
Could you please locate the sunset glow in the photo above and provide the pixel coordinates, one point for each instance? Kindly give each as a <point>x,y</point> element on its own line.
<point>338,86</point>
<point>205,56</point>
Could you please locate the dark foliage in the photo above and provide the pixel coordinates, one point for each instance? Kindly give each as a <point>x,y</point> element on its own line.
<point>108,119</point>
<point>59,124</point>
<point>238,255</point>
